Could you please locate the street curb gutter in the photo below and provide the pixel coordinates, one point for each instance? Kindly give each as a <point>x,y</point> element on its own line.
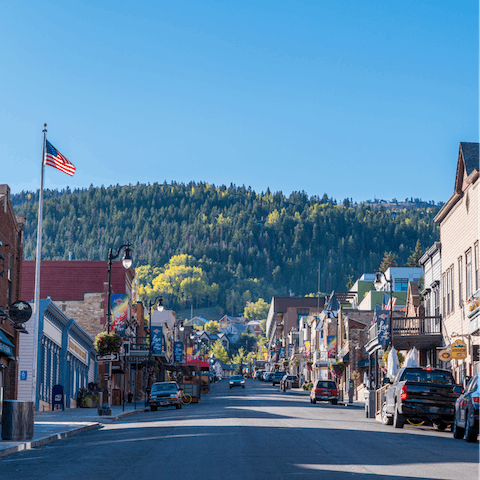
<point>43,441</point>
<point>58,436</point>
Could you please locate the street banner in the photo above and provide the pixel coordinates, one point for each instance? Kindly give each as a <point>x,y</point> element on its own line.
<point>290,349</point>
<point>383,326</point>
<point>178,352</point>
<point>189,353</point>
<point>282,352</point>
<point>119,309</point>
<point>307,348</point>
<point>157,340</point>
<point>331,346</point>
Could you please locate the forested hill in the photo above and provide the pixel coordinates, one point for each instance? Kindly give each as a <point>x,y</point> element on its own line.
<point>251,245</point>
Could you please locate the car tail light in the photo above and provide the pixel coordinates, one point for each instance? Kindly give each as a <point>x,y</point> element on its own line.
<point>475,400</point>
<point>317,391</point>
<point>403,395</point>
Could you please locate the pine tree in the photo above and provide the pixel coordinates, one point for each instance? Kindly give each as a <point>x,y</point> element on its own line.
<point>415,256</point>
<point>388,261</point>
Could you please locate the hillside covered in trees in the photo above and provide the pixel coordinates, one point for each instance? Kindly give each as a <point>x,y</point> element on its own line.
<point>242,245</point>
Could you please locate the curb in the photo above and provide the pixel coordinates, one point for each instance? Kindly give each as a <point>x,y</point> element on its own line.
<point>43,441</point>
<point>58,436</point>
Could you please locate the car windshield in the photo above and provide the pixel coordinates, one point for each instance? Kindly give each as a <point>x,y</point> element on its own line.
<point>237,377</point>
<point>326,385</point>
<point>427,376</point>
<point>164,387</point>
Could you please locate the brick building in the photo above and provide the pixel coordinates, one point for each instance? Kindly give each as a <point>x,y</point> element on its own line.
<point>11,251</point>
<point>78,288</point>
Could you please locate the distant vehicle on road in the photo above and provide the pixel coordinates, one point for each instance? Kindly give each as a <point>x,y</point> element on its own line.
<point>465,423</point>
<point>268,377</point>
<point>237,381</point>
<point>277,377</point>
<point>324,390</point>
<point>290,378</point>
<point>165,394</point>
<point>420,395</point>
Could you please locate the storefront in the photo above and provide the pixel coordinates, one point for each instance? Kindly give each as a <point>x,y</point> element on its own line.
<point>65,357</point>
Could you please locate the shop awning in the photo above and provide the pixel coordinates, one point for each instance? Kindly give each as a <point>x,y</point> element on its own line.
<point>196,362</point>
<point>6,346</point>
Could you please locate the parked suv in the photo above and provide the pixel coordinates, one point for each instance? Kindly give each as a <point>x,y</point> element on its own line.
<point>324,390</point>
<point>164,394</point>
<point>465,422</point>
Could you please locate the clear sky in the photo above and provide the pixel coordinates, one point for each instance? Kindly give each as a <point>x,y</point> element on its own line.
<point>351,98</point>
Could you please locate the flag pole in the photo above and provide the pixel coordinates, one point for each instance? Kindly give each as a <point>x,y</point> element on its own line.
<point>37,275</point>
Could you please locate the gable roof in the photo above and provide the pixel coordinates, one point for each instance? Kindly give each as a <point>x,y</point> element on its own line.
<point>467,173</point>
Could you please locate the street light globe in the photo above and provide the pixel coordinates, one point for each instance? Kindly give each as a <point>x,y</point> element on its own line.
<point>127,258</point>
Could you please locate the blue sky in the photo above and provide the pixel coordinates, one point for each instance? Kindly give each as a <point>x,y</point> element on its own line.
<point>353,99</point>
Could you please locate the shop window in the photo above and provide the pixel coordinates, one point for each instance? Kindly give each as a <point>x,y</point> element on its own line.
<point>468,273</point>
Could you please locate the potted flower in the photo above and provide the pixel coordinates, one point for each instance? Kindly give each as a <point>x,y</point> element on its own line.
<point>106,343</point>
<point>337,369</point>
<point>285,364</point>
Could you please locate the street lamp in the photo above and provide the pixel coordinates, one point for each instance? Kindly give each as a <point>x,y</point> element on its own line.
<point>158,301</point>
<point>127,263</point>
<point>378,283</point>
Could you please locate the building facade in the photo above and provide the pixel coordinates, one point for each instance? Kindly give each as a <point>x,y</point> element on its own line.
<point>65,356</point>
<point>11,252</point>
<point>460,277</point>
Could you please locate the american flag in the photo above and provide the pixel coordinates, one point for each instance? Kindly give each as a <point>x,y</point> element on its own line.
<point>56,160</point>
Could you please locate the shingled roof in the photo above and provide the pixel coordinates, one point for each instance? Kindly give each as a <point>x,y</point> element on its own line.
<point>470,156</point>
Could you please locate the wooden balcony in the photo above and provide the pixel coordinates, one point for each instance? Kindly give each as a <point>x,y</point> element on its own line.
<point>423,333</point>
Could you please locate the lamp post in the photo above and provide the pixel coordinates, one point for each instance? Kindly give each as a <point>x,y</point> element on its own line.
<point>127,263</point>
<point>378,283</point>
<point>158,301</point>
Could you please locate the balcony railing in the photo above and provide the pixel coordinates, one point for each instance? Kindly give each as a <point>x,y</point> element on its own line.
<point>417,326</point>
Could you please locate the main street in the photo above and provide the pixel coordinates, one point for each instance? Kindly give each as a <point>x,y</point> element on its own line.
<point>252,433</point>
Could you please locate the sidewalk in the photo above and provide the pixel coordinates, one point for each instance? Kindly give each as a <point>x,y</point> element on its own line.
<point>51,426</point>
<point>299,391</point>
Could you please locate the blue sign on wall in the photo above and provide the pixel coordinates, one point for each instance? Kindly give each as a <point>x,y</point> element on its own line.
<point>157,340</point>
<point>23,374</point>
<point>178,352</point>
<point>282,352</point>
<point>383,327</point>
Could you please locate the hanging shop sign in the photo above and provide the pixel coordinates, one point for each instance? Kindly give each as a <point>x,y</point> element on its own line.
<point>459,349</point>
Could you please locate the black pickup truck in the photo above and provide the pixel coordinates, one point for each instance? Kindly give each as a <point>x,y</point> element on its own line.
<point>420,395</point>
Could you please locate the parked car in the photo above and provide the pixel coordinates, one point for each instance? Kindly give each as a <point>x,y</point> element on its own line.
<point>258,374</point>
<point>164,394</point>
<point>465,422</point>
<point>290,378</point>
<point>420,395</point>
<point>277,377</point>
<point>268,377</point>
<point>237,381</point>
<point>324,390</point>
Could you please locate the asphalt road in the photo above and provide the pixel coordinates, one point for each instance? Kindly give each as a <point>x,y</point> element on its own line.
<point>252,433</point>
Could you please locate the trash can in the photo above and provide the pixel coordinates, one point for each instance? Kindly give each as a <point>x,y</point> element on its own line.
<point>18,419</point>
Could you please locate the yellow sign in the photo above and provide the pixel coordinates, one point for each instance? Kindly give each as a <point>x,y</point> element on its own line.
<point>459,349</point>
<point>444,355</point>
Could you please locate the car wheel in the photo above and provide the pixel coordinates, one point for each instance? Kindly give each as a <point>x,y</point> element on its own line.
<point>398,421</point>
<point>458,432</point>
<point>440,426</point>
<point>386,419</point>
<point>153,409</point>
<point>243,386</point>
<point>178,406</point>
<point>470,434</point>
<point>334,402</point>
<point>230,387</point>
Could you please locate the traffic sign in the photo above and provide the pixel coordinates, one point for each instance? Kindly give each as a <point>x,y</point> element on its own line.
<point>111,357</point>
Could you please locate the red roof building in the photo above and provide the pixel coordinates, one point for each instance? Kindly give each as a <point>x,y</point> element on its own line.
<point>78,288</point>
